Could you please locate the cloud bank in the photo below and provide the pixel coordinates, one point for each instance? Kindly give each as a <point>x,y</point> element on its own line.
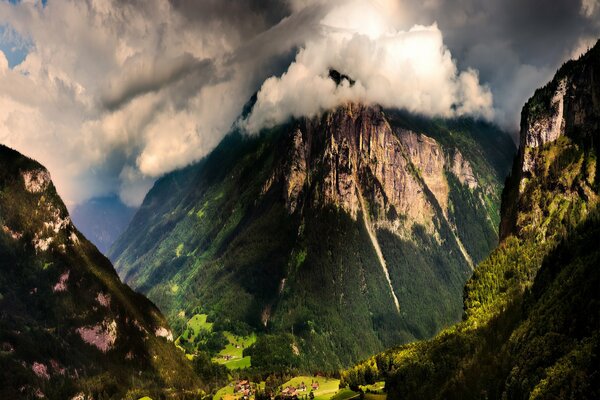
<point>111,94</point>
<point>411,70</point>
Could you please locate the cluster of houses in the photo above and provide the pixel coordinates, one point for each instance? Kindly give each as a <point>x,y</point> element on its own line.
<point>292,391</point>
<point>243,388</point>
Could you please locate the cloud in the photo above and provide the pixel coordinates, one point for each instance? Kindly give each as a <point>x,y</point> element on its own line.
<point>110,94</point>
<point>3,63</point>
<point>589,7</point>
<point>411,70</point>
<point>110,88</point>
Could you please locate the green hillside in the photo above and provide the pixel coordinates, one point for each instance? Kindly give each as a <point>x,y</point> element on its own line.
<point>68,326</point>
<point>531,324</point>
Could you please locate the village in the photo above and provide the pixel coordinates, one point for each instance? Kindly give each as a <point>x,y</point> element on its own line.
<point>299,387</point>
<point>244,389</point>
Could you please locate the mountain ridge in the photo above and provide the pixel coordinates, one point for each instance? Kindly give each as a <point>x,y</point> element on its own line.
<point>68,326</point>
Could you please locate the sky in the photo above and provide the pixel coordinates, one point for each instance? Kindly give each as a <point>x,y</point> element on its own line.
<point>111,94</point>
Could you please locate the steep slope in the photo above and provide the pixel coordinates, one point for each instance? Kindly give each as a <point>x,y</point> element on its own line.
<point>68,326</point>
<point>531,327</point>
<point>352,231</point>
<point>102,220</point>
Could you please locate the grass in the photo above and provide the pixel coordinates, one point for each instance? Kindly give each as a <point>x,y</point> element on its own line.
<point>327,387</point>
<point>375,396</point>
<point>344,394</point>
<point>226,393</point>
<point>240,363</point>
<point>376,387</point>
<point>235,348</point>
<point>194,326</point>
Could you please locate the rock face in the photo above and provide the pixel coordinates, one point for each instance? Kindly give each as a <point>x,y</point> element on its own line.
<point>63,305</point>
<point>557,117</point>
<point>359,217</point>
<point>354,152</point>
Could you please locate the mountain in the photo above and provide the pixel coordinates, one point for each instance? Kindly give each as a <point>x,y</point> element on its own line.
<point>68,327</point>
<point>531,326</point>
<point>335,236</point>
<point>102,220</point>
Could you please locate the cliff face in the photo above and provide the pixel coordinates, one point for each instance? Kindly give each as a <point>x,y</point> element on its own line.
<point>354,153</point>
<point>65,318</point>
<point>357,218</point>
<point>557,122</point>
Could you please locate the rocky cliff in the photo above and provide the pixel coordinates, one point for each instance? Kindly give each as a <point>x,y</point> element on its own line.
<point>360,217</point>
<point>68,326</point>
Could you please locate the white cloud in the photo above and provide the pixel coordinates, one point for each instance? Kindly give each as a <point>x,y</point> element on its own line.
<point>581,47</point>
<point>589,7</point>
<point>410,69</point>
<point>3,63</point>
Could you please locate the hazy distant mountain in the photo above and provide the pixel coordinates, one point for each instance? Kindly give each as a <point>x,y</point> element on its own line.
<point>102,220</point>
<point>352,231</point>
<point>531,327</point>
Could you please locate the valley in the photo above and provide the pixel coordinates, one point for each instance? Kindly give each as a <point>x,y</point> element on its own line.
<point>299,200</point>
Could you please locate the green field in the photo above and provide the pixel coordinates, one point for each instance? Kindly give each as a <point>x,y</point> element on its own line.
<point>226,393</point>
<point>198,323</point>
<point>374,396</point>
<point>194,326</point>
<point>376,388</point>
<point>345,394</point>
<point>327,387</point>
<point>235,348</point>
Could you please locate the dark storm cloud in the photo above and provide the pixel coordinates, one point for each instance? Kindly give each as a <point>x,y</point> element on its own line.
<point>248,16</point>
<point>161,74</point>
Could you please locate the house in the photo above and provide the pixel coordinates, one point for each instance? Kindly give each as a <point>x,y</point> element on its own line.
<point>289,392</point>
<point>315,386</point>
<point>302,387</point>
<point>242,386</point>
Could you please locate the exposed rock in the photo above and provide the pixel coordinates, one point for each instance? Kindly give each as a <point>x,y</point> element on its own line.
<point>538,130</point>
<point>42,244</point>
<point>103,336</point>
<point>103,299</point>
<point>41,370</point>
<point>57,368</point>
<point>461,168</point>
<point>164,332</point>
<point>296,174</point>
<point>362,151</point>
<point>61,285</point>
<point>11,233</point>
<point>427,156</point>
<point>393,169</point>
<point>57,222</point>
<point>36,180</point>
